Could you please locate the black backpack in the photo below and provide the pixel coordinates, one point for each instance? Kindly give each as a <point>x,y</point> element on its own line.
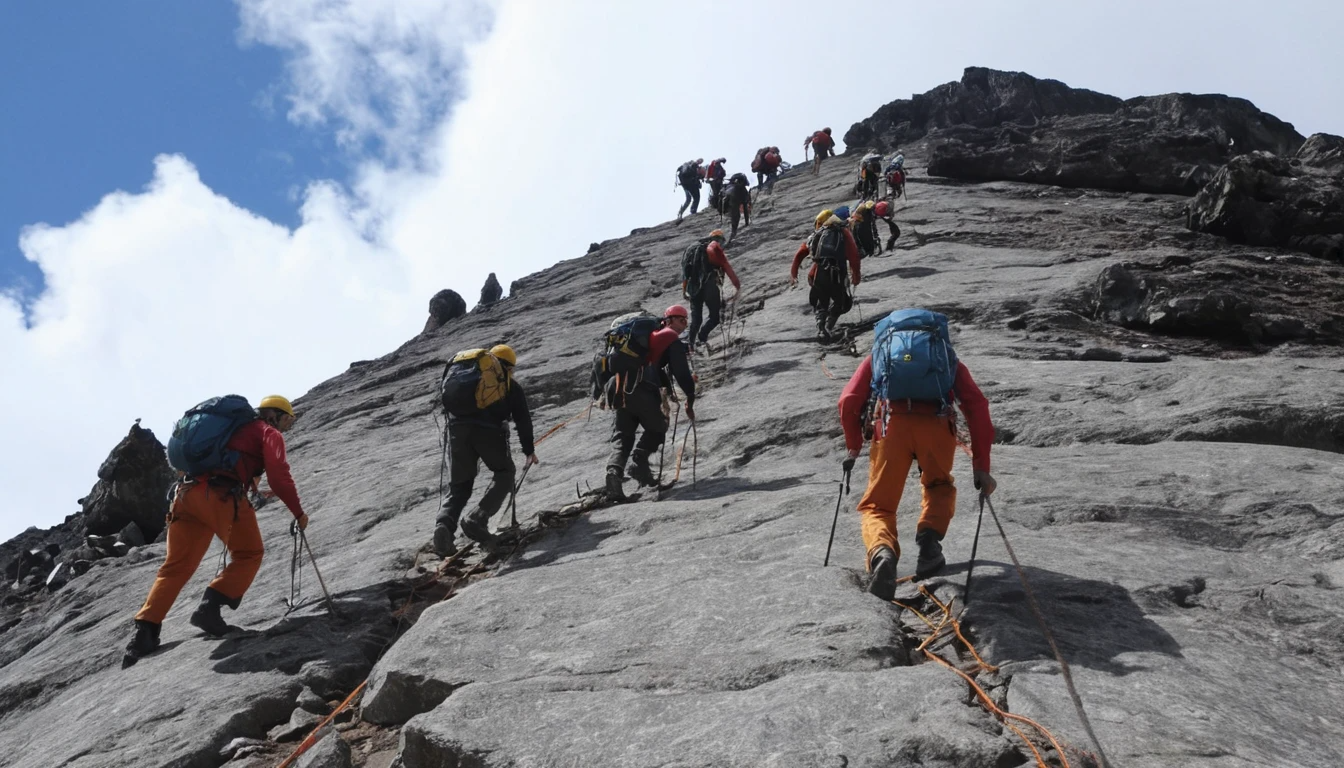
<point>686,173</point>
<point>472,381</point>
<point>828,247</point>
<point>626,347</point>
<point>695,268</point>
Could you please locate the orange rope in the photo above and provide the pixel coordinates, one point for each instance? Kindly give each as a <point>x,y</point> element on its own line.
<point>1007,718</point>
<point>312,736</point>
<point>826,371</point>
<point>564,423</point>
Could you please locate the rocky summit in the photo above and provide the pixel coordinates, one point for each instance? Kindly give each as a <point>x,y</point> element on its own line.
<point>1146,291</point>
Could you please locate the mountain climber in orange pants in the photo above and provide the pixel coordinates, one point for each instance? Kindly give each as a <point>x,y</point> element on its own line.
<point>922,431</point>
<point>217,505</point>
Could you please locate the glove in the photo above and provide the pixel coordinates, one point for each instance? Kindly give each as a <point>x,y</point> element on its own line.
<point>984,482</point>
<point>847,464</point>
<point>690,412</point>
<point>301,521</point>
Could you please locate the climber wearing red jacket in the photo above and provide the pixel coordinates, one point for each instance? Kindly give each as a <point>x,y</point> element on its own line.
<point>831,247</point>
<point>218,505</point>
<point>913,431</point>
<point>704,288</point>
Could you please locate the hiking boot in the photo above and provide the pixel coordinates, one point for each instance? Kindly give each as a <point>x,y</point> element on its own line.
<point>206,616</point>
<point>145,641</point>
<point>931,559</point>
<point>477,532</point>
<point>882,569</point>
<point>615,489</point>
<point>443,540</point>
<point>640,471</point>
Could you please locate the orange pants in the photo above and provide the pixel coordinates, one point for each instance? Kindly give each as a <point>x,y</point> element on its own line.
<point>925,438</point>
<point>199,513</point>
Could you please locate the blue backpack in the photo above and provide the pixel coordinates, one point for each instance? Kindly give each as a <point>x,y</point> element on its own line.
<point>913,357</point>
<point>200,437</point>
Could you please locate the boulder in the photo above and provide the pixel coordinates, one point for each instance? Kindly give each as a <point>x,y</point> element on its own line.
<point>492,291</point>
<point>330,752</point>
<point>132,487</point>
<point>1323,151</point>
<point>1263,199</point>
<point>131,536</point>
<point>444,306</point>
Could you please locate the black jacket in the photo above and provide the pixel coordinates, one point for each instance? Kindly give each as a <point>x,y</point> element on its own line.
<point>512,407</point>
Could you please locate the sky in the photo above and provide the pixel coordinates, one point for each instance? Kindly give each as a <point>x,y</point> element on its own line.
<point>211,197</point>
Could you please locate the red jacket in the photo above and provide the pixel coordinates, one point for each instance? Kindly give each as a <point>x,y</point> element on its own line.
<point>820,140</point>
<point>261,448</point>
<point>851,255</point>
<point>968,396</point>
<point>719,259</point>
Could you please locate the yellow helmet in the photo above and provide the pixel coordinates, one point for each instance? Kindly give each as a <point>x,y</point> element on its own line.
<point>822,217</point>
<point>868,205</point>
<point>504,353</point>
<point>278,403</point>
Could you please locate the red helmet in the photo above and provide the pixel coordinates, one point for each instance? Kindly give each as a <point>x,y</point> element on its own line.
<point>676,310</point>
<point>882,209</point>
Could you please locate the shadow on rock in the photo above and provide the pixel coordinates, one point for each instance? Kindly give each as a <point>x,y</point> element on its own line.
<point>716,487</point>
<point>1092,621</point>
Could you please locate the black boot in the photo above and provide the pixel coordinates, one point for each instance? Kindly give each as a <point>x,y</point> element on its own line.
<point>822,333</point>
<point>144,642</point>
<point>615,483</point>
<point>931,559</point>
<point>882,567</point>
<point>443,539</point>
<point>640,471</point>
<point>206,616</point>
<point>478,530</point>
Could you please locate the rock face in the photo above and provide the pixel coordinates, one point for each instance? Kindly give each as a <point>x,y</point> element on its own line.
<point>132,487</point>
<point>444,306</point>
<point>1264,199</point>
<point>1169,413</point>
<point>1010,126</point>
<point>492,291</point>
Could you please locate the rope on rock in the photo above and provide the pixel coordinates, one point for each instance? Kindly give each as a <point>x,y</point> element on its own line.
<point>311,738</point>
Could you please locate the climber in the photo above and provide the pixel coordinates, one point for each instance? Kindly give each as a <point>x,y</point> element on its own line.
<point>642,404</point>
<point>479,434</point>
<point>831,247</point>
<point>217,504</point>
<point>714,175</point>
<point>885,212</point>
<point>768,172</point>
<point>736,202</point>
<point>689,175</point>
<point>822,146</point>
<point>912,376</point>
<point>491,291</point>
<point>895,174</point>
<point>703,267</point>
<point>870,173</point>
<point>864,226</point>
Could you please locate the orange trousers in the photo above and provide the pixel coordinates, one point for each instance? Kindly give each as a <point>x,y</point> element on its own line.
<point>925,438</point>
<point>199,513</point>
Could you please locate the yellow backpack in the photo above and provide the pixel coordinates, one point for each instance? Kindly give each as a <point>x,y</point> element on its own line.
<point>473,381</point>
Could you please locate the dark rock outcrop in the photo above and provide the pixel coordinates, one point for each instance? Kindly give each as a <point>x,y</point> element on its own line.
<point>132,487</point>
<point>1264,199</point>
<point>1011,126</point>
<point>444,306</point>
<point>492,291</point>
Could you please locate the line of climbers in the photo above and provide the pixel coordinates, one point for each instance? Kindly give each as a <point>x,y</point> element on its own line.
<point>900,398</point>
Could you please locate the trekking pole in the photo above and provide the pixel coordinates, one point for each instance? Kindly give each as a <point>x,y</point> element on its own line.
<point>975,544</point>
<point>847,465</point>
<point>695,451</point>
<point>662,453</point>
<point>513,497</point>
<point>330,605</point>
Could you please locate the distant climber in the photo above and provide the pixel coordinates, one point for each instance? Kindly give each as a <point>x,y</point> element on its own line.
<point>885,211</point>
<point>895,176</point>
<point>444,306</point>
<point>863,223</point>
<point>912,378</point>
<point>492,291</point>
<point>639,400</point>
<point>766,166</point>
<point>479,395</point>
<point>715,174</point>
<point>831,246</point>
<point>736,202</point>
<point>869,177</point>
<point>689,176</point>
<point>212,499</point>
<point>703,266</point>
<point>822,145</point>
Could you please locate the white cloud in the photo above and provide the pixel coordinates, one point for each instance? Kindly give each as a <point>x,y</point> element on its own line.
<point>574,115</point>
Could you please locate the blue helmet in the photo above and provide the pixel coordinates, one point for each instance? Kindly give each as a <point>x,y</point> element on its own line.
<point>842,213</point>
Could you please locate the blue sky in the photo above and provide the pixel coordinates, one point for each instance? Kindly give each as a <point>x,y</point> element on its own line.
<point>93,91</point>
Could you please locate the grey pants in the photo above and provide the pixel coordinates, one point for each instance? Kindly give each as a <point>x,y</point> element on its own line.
<point>469,444</point>
<point>641,408</point>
